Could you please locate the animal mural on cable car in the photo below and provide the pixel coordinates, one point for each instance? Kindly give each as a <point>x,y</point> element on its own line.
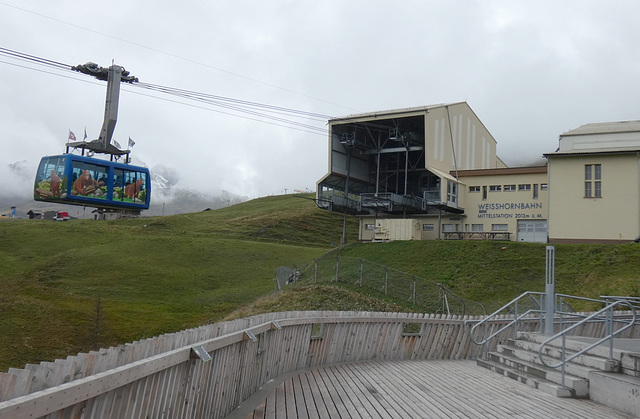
<point>84,180</point>
<point>78,180</point>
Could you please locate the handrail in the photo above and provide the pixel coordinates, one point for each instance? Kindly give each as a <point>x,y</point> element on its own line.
<point>633,300</point>
<point>515,320</point>
<point>607,309</point>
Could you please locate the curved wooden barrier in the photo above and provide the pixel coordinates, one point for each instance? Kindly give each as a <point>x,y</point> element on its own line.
<point>171,375</point>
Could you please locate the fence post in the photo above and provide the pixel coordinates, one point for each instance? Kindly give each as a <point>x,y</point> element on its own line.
<point>315,271</point>
<point>414,289</point>
<point>386,280</point>
<point>337,267</point>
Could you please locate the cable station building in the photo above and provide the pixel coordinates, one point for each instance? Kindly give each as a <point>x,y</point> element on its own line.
<point>433,172</point>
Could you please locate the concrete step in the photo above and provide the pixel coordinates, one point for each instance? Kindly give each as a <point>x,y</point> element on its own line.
<point>630,364</point>
<point>570,344</point>
<point>579,385</point>
<point>530,380</point>
<point>618,391</point>
<point>581,365</point>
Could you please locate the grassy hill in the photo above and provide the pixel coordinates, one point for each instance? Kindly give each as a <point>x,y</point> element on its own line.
<point>496,272</point>
<point>68,287</point>
<point>71,286</point>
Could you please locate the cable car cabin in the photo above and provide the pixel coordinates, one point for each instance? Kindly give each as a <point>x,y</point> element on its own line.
<point>78,180</point>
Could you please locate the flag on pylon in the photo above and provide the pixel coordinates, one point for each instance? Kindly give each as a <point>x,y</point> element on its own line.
<point>72,136</point>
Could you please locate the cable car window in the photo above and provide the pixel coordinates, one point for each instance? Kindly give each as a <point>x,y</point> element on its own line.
<point>51,179</point>
<point>135,186</point>
<point>89,180</point>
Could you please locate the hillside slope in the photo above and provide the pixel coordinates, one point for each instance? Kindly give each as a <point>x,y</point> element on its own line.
<point>72,286</point>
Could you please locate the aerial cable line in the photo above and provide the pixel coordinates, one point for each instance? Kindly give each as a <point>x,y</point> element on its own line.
<point>222,112</point>
<point>174,56</point>
<point>33,58</point>
<point>50,72</point>
<point>238,105</point>
<point>239,101</point>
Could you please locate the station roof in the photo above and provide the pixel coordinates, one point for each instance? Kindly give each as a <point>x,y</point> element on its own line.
<point>388,113</point>
<point>604,128</point>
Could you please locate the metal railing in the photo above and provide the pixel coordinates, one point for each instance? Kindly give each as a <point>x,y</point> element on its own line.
<point>563,315</point>
<point>512,306</point>
<point>609,319</point>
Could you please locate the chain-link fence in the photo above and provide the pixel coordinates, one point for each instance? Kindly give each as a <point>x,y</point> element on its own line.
<point>428,296</point>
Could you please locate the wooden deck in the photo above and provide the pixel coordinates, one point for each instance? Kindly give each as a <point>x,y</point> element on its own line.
<point>409,389</point>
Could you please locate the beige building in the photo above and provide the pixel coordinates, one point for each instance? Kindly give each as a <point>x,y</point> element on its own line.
<point>433,173</point>
<point>594,179</point>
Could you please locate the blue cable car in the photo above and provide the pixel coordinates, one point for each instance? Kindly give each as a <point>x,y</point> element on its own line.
<point>78,180</point>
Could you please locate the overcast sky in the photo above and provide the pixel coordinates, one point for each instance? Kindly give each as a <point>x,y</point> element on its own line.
<point>529,69</point>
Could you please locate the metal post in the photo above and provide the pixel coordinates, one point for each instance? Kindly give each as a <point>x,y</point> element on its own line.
<point>414,289</point>
<point>515,319</point>
<point>550,290</point>
<point>386,280</point>
<point>610,331</point>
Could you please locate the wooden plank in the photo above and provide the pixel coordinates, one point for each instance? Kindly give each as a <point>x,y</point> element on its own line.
<point>417,405</point>
<point>301,403</point>
<point>314,409</point>
<point>332,402</point>
<point>322,397</point>
<point>379,392</point>
<point>357,394</point>
<point>290,398</point>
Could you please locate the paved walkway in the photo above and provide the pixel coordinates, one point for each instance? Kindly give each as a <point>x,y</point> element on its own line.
<point>410,389</point>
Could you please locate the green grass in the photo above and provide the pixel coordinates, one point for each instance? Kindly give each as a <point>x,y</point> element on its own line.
<point>148,276</point>
<point>68,287</point>
<point>495,272</point>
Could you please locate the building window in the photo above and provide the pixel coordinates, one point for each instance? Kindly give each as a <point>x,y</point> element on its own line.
<point>535,191</point>
<point>495,188</point>
<point>499,227</point>
<point>447,228</point>
<point>592,181</point>
<point>526,187</point>
<point>369,226</point>
<point>427,227</point>
<point>477,227</point>
<point>484,193</point>
<point>474,188</point>
<point>509,188</point>
<point>452,192</point>
<point>543,186</point>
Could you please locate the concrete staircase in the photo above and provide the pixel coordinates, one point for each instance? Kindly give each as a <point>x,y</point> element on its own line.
<point>614,383</point>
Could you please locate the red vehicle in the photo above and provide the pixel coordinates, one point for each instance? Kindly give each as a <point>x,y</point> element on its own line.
<point>62,216</point>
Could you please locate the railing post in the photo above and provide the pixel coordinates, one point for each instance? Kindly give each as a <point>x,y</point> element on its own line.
<point>515,319</point>
<point>609,326</point>
<point>485,347</point>
<point>561,313</point>
<point>550,290</point>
